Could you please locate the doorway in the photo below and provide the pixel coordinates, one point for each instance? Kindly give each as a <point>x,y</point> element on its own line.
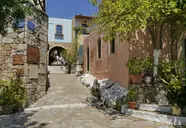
<point>55,53</point>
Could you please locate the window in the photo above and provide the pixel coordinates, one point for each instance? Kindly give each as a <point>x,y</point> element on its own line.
<point>58,29</point>
<point>85,27</point>
<point>99,48</point>
<point>112,46</point>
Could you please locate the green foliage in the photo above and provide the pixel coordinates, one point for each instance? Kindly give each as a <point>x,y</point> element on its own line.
<point>126,16</point>
<point>12,92</point>
<point>135,65</point>
<point>173,75</point>
<point>95,92</point>
<point>147,63</point>
<point>79,30</point>
<point>11,11</point>
<point>132,95</point>
<point>119,104</point>
<point>70,56</point>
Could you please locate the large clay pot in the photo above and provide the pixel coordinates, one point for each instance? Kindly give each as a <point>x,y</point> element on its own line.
<point>136,79</point>
<point>132,105</point>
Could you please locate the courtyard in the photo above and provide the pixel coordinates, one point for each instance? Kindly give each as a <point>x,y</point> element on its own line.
<point>65,106</point>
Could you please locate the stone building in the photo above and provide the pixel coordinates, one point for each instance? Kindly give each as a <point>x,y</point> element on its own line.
<point>24,51</point>
<point>59,37</point>
<point>86,23</point>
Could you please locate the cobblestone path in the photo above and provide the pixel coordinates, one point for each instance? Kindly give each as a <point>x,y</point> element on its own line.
<point>64,106</point>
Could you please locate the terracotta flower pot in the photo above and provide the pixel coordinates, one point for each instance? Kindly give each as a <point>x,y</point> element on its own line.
<point>132,105</point>
<point>136,79</point>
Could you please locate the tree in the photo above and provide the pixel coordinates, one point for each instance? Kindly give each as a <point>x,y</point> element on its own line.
<point>11,11</point>
<point>70,55</point>
<point>126,16</point>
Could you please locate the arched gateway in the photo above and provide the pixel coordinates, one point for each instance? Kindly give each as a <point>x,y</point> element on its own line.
<point>54,54</point>
<point>55,51</point>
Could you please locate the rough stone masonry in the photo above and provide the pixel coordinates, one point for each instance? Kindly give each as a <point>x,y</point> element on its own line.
<point>24,51</point>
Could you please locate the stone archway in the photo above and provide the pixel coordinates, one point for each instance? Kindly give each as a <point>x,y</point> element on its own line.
<point>53,52</point>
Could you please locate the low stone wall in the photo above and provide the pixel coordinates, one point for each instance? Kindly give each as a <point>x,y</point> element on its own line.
<point>111,92</point>
<point>150,94</point>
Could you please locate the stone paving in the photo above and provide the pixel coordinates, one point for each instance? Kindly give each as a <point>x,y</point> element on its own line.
<point>64,106</point>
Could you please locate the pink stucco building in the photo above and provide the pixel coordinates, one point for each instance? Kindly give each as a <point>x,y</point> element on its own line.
<point>107,59</point>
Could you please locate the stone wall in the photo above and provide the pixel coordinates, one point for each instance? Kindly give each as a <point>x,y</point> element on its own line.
<point>150,94</point>
<point>24,51</point>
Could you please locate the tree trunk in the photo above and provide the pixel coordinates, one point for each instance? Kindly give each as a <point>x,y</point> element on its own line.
<point>156,61</point>
<point>154,31</point>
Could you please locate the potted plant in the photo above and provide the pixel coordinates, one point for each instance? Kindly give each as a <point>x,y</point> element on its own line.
<point>173,76</point>
<point>135,66</point>
<point>132,94</point>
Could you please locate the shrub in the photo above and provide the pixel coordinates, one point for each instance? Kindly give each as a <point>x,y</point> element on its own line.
<point>135,65</point>
<point>138,65</point>
<point>148,66</point>
<point>12,92</point>
<point>95,92</point>
<point>119,104</point>
<point>173,76</point>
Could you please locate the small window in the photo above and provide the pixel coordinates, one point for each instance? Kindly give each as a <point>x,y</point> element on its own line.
<point>112,46</point>
<point>85,26</point>
<point>58,29</point>
<point>99,48</point>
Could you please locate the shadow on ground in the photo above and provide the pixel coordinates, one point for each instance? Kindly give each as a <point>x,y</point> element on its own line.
<point>98,104</point>
<point>20,120</point>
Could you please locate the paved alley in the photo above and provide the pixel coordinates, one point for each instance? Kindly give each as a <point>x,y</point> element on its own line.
<point>64,106</point>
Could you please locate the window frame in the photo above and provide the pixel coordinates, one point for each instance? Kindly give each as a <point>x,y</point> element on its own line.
<point>56,32</point>
<point>85,26</point>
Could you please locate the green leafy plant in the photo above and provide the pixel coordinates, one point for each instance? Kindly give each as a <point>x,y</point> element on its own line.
<point>173,76</point>
<point>119,103</point>
<point>70,56</point>
<point>132,95</point>
<point>118,16</point>
<point>12,11</point>
<point>135,66</point>
<point>12,92</point>
<point>147,65</point>
<point>95,92</point>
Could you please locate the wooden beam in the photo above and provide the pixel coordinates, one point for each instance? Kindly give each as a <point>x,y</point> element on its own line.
<point>42,4</point>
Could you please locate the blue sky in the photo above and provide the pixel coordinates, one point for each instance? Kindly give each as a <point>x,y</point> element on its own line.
<point>68,8</point>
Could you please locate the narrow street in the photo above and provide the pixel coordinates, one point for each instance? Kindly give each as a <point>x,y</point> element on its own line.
<point>64,106</point>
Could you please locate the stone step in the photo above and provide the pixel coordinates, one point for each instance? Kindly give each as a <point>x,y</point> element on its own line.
<point>155,107</point>
<point>156,117</point>
<point>56,69</point>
